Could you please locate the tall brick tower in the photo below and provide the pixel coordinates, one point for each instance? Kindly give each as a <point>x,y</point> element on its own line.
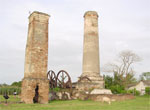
<point>91,68</point>
<point>35,86</point>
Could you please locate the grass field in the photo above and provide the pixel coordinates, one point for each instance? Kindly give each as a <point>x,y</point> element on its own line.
<point>140,103</point>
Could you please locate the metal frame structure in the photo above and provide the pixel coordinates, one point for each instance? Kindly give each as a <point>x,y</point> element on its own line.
<point>61,80</point>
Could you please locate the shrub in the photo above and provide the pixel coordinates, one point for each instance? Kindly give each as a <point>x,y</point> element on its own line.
<point>134,92</point>
<point>108,82</point>
<point>117,89</point>
<point>123,91</point>
<point>147,90</point>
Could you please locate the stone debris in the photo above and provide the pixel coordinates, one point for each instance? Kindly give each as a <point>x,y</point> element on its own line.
<point>101,91</point>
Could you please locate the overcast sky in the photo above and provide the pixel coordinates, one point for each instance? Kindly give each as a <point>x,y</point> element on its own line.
<point>123,24</point>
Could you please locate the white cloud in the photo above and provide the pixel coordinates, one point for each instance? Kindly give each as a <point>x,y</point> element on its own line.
<point>123,24</point>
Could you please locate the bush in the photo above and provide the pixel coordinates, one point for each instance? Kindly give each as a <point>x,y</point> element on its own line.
<point>117,89</point>
<point>134,92</point>
<point>147,90</point>
<point>123,91</point>
<point>108,82</point>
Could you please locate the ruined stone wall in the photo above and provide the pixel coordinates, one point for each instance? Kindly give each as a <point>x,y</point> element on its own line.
<point>28,90</point>
<point>36,59</point>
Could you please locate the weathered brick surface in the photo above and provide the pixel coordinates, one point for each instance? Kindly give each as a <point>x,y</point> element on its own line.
<point>91,67</point>
<point>28,90</point>
<point>36,59</point>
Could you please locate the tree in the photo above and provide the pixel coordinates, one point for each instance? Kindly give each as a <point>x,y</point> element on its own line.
<point>108,81</point>
<point>4,84</point>
<point>145,76</point>
<point>123,68</point>
<point>113,84</point>
<point>16,84</point>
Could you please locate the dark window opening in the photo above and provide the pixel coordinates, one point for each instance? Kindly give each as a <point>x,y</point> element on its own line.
<point>35,99</point>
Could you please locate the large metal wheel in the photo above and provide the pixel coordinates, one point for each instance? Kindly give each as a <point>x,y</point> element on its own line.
<point>63,80</point>
<point>52,79</point>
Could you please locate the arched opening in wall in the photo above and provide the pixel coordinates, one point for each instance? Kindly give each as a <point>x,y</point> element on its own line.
<point>35,98</point>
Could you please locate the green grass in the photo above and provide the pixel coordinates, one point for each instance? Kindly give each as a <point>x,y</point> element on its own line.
<point>140,103</point>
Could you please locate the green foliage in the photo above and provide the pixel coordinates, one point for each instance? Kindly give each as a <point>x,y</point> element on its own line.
<point>139,103</point>
<point>134,92</point>
<point>117,89</point>
<point>124,81</point>
<point>130,79</point>
<point>147,90</point>
<point>117,79</point>
<point>145,76</point>
<point>122,69</point>
<point>108,82</point>
<point>114,84</point>
<point>55,89</point>
<point>123,91</point>
<point>2,85</point>
<point>18,84</point>
<point>10,90</point>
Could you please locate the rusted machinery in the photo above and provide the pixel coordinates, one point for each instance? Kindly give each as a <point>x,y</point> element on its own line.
<point>52,79</point>
<point>84,78</point>
<point>61,80</point>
